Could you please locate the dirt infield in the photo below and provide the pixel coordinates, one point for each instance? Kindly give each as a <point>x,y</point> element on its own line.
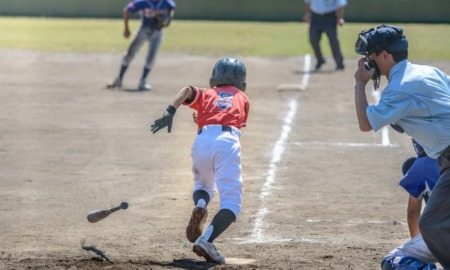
<point>328,200</point>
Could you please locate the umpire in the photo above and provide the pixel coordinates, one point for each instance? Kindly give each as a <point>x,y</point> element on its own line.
<point>325,16</point>
<point>416,101</point>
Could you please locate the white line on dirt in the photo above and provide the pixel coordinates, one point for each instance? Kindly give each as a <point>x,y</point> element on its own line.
<point>384,130</point>
<point>306,65</point>
<point>257,233</point>
<point>344,144</point>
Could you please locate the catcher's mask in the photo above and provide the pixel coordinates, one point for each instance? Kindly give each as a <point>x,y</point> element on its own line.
<point>229,71</point>
<point>382,38</point>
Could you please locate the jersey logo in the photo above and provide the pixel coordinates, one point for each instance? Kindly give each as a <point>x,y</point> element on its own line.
<point>224,101</point>
<point>149,13</point>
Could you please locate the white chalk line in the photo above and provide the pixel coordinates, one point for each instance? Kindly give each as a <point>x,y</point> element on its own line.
<point>353,222</point>
<point>384,130</point>
<point>257,233</point>
<point>318,239</point>
<point>343,144</point>
<point>306,69</point>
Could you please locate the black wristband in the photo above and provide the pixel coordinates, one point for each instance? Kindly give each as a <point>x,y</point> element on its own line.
<point>172,109</point>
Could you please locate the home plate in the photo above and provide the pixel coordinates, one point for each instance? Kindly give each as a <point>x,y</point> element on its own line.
<point>290,87</point>
<point>238,261</point>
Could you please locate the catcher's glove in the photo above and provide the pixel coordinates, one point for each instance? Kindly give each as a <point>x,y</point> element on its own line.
<point>162,20</point>
<point>165,121</point>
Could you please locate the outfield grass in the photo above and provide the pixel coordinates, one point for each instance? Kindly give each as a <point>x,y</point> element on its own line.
<point>427,41</point>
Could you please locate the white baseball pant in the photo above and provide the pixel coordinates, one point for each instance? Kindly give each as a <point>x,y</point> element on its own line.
<point>415,248</point>
<point>216,162</point>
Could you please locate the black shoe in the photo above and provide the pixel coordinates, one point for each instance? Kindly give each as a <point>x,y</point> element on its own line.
<point>319,64</point>
<point>340,67</point>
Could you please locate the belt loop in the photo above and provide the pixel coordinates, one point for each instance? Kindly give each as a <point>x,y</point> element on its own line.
<point>227,128</point>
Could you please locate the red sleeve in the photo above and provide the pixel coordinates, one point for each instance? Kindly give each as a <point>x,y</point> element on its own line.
<point>247,111</point>
<point>193,103</point>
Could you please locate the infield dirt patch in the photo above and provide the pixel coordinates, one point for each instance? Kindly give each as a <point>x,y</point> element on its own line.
<point>69,146</point>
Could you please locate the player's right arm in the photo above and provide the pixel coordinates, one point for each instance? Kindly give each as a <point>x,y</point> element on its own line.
<point>307,15</point>
<point>362,76</point>
<point>340,17</point>
<point>126,18</point>
<point>413,214</point>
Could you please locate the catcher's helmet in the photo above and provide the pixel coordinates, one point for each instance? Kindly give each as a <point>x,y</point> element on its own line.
<point>229,71</point>
<point>383,37</point>
<point>407,164</point>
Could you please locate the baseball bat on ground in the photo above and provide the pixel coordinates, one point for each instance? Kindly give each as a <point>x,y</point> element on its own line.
<point>100,214</point>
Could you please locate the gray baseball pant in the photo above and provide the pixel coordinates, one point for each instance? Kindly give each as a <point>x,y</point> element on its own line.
<point>154,37</point>
<point>434,223</point>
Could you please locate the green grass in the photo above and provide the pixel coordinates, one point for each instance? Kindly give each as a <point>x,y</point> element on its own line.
<point>427,41</point>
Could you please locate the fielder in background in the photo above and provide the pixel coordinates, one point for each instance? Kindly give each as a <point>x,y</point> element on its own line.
<point>220,112</point>
<point>420,176</point>
<point>155,15</point>
<point>325,16</point>
<point>416,101</point>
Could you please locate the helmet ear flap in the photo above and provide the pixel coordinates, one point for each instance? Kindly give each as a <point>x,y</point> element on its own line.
<point>211,79</point>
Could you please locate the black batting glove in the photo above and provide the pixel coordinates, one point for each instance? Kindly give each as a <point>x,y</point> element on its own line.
<point>165,120</point>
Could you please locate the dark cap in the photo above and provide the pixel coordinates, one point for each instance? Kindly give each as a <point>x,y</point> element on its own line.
<point>383,37</point>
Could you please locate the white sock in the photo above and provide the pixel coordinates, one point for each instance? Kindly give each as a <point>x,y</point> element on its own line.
<point>201,203</point>
<point>208,232</point>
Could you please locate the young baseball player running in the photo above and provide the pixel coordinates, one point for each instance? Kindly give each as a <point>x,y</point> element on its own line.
<point>155,15</point>
<point>221,111</point>
<point>420,176</point>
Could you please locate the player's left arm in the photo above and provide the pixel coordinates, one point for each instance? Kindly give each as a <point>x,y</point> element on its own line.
<point>413,214</point>
<point>163,19</point>
<point>187,93</point>
<point>184,96</point>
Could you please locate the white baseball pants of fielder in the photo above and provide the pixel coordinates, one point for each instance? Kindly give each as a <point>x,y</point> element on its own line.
<point>415,248</point>
<point>216,162</point>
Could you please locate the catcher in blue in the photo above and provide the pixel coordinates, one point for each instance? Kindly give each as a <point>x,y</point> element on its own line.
<point>155,16</point>
<point>220,112</point>
<point>420,176</point>
<point>415,101</point>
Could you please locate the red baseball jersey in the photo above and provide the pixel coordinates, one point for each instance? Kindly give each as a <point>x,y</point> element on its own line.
<point>224,105</point>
